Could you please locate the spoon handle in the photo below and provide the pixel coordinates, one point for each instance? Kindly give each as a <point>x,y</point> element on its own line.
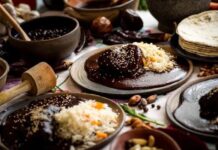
<point>9,94</point>
<point>14,23</point>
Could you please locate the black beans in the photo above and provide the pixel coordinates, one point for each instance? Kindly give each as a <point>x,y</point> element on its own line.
<point>39,34</point>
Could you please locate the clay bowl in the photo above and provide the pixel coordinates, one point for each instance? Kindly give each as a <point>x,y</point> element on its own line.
<point>87,14</point>
<point>4,69</point>
<point>169,11</point>
<point>162,140</point>
<point>49,50</point>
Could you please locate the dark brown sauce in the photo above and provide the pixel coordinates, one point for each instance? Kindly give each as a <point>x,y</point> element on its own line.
<point>1,71</point>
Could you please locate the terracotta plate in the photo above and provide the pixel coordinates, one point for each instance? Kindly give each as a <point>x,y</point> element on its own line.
<point>154,82</point>
<point>4,112</point>
<point>183,107</point>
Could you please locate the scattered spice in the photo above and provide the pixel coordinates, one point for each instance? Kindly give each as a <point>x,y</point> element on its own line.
<point>152,99</point>
<point>134,100</point>
<point>208,70</point>
<point>132,112</point>
<point>158,107</point>
<point>144,102</point>
<point>138,123</point>
<point>137,100</point>
<point>145,109</point>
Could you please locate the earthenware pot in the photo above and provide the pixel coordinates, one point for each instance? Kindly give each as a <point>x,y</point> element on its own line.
<point>167,12</point>
<point>50,50</point>
<point>88,14</point>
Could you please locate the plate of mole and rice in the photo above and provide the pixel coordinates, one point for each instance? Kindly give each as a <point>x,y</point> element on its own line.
<point>64,121</point>
<point>135,68</point>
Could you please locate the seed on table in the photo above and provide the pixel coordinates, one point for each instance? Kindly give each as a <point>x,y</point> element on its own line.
<point>136,123</point>
<point>212,72</point>
<point>202,69</point>
<point>152,105</point>
<point>216,70</point>
<point>140,106</point>
<point>144,102</point>
<point>201,74</point>
<point>145,109</point>
<point>158,107</point>
<point>134,100</point>
<point>152,99</point>
<point>132,120</point>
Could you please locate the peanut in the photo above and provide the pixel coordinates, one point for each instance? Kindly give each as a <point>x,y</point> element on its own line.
<point>151,141</point>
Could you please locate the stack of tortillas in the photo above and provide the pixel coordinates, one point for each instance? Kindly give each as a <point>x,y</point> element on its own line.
<point>198,34</point>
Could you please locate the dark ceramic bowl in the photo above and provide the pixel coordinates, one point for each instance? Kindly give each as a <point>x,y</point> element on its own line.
<point>50,50</point>
<point>88,14</point>
<point>169,11</point>
<point>162,140</point>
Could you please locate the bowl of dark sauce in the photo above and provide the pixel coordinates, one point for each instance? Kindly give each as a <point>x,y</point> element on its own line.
<point>52,38</point>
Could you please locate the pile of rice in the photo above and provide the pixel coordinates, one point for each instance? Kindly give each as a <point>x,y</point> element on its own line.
<point>155,58</point>
<point>89,121</point>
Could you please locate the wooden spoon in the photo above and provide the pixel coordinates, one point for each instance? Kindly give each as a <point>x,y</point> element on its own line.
<point>14,23</point>
<point>37,80</point>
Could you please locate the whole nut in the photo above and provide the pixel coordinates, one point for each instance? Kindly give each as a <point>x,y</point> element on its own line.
<point>158,107</point>
<point>145,109</point>
<point>136,123</point>
<point>101,25</point>
<point>134,100</point>
<point>152,99</point>
<point>144,102</point>
<point>144,126</point>
<point>151,141</point>
<point>138,141</point>
<point>134,119</point>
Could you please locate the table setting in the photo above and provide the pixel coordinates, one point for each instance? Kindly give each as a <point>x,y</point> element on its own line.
<point>108,75</point>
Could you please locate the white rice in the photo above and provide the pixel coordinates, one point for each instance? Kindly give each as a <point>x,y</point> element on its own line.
<point>155,58</point>
<point>83,121</point>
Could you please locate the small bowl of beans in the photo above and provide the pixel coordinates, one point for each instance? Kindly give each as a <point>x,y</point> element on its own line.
<point>4,69</point>
<point>144,139</point>
<point>52,38</point>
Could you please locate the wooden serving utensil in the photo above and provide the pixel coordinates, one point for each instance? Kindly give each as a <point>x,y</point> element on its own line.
<point>37,80</point>
<point>14,23</point>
